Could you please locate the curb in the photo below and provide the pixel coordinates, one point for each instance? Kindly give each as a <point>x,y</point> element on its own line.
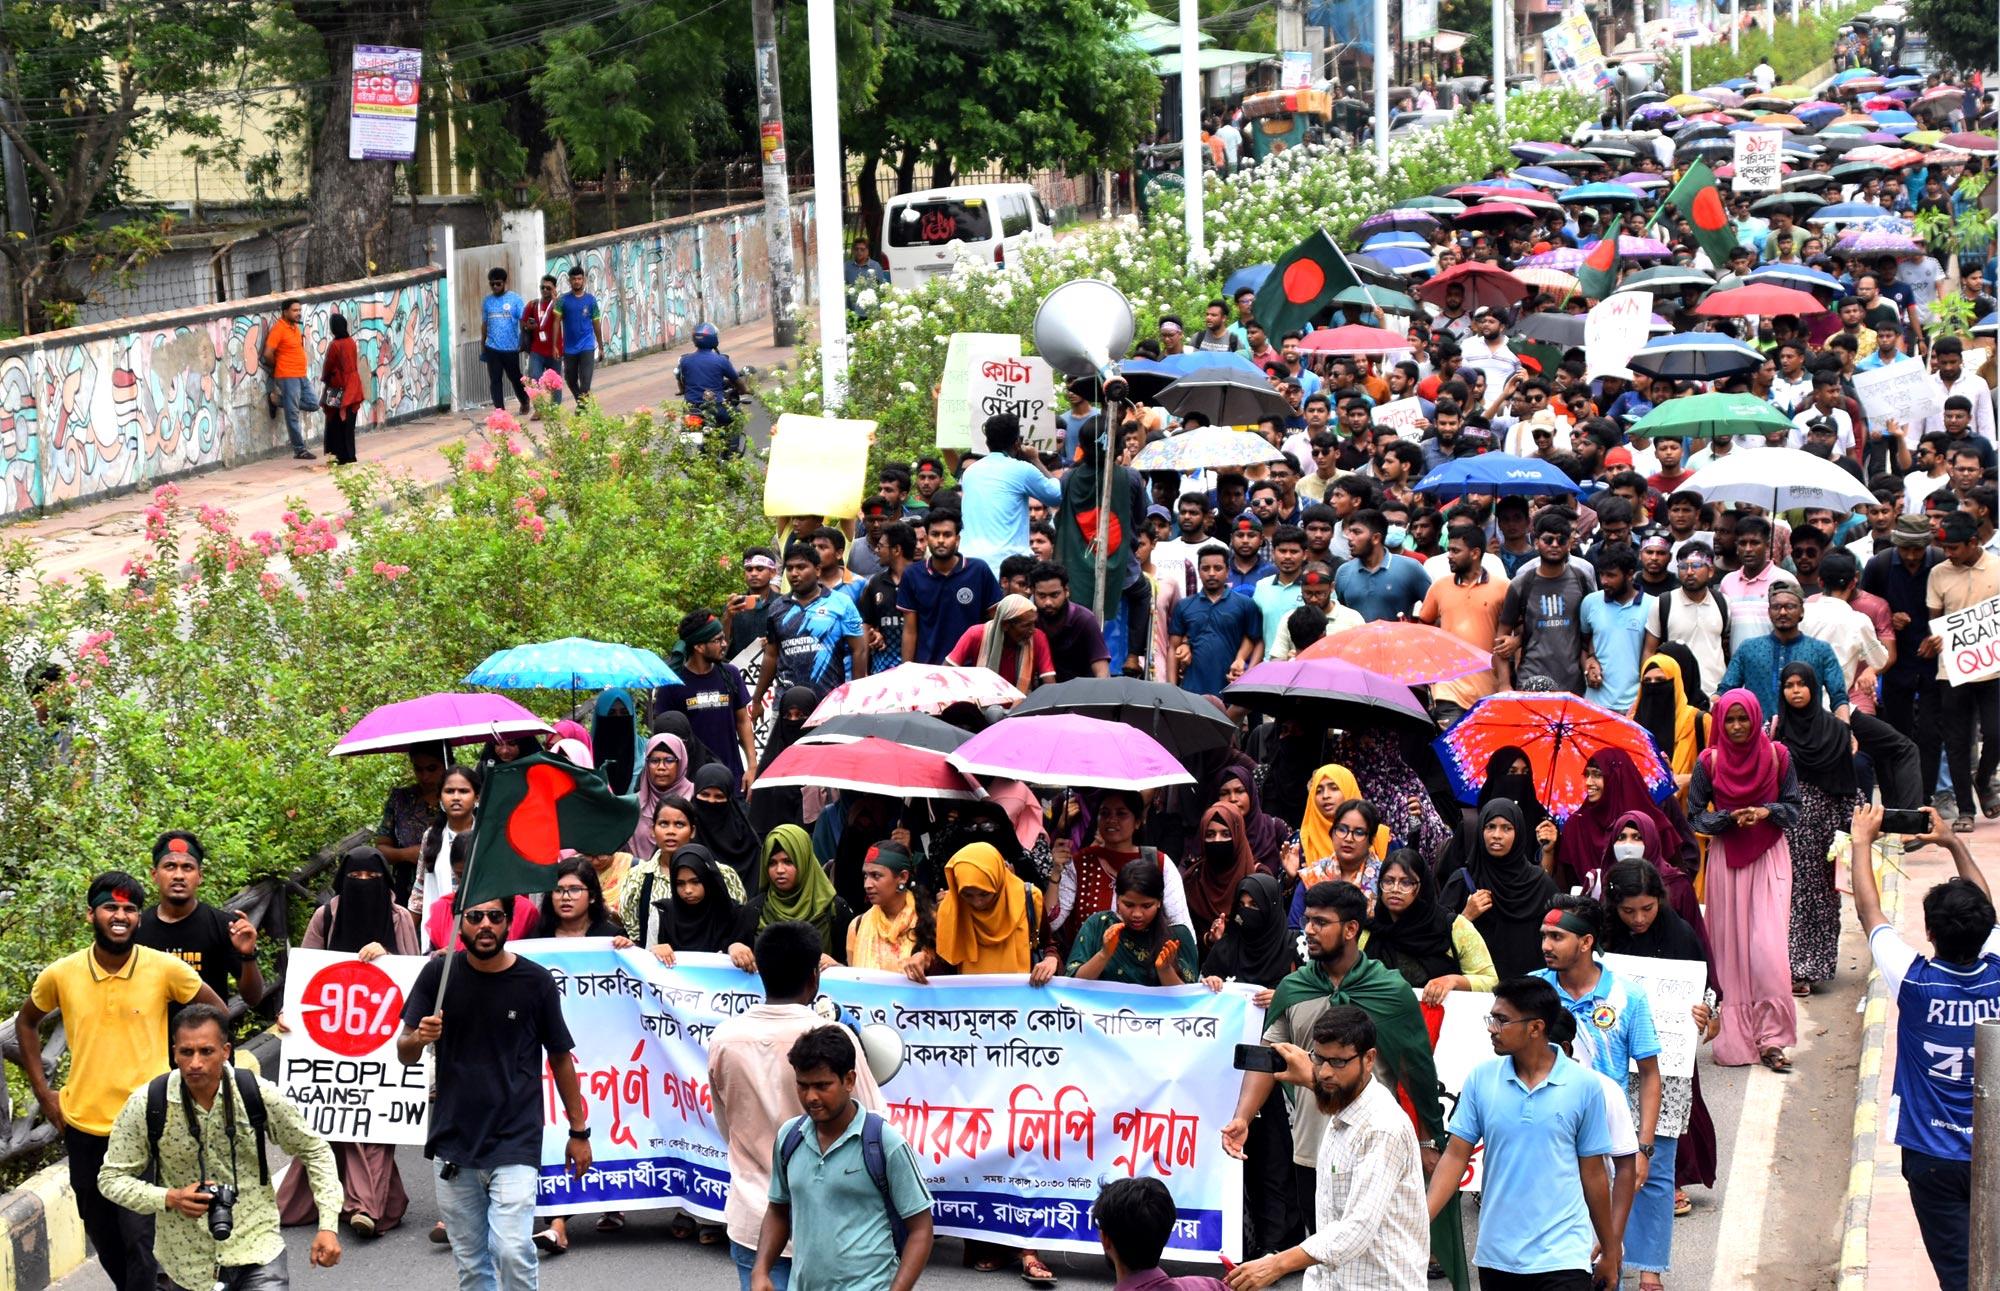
<point>46,1241</point>
<point>1867,1111</point>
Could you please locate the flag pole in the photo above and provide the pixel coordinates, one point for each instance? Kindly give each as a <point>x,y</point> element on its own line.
<point>444,974</point>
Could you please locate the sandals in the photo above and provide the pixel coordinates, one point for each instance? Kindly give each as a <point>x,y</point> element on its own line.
<point>1775,1059</point>
<point>1801,990</point>
<point>1682,1206</point>
<point>681,1229</point>
<point>610,1222</point>
<point>550,1242</point>
<point>711,1235</point>
<point>1034,1272</point>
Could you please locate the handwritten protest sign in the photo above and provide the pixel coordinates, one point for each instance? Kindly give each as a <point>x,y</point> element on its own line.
<point>1759,160</point>
<point>956,425</point>
<point>818,466</point>
<point>1459,1042</point>
<point>1025,387</point>
<point>1400,414</point>
<point>1971,642</point>
<point>1898,392</point>
<point>1614,331</point>
<point>339,1063</point>
<point>1673,987</point>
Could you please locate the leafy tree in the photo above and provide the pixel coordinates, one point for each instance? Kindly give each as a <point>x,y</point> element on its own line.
<point>1960,31</point>
<point>93,82</point>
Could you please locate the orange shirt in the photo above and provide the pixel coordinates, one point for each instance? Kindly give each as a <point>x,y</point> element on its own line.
<point>286,345</point>
<point>1472,614</point>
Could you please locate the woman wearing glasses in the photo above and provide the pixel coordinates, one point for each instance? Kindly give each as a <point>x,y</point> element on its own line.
<point>1435,950</point>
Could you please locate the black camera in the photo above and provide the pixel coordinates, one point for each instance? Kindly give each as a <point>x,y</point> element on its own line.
<point>221,1209</point>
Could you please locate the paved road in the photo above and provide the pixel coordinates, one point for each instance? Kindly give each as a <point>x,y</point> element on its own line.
<point>1772,1222</point>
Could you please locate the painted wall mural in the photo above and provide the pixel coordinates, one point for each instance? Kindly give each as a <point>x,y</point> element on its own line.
<point>98,410</point>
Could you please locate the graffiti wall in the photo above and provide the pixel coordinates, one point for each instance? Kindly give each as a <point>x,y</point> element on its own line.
<point>98,410</point>
<point>655,282</point>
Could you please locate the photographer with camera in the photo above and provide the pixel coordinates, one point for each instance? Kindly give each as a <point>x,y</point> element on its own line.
<point>200,1130</point>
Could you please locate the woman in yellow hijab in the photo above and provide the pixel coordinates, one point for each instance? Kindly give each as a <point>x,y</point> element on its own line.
<point>986,919</point>
<point>1676,725</point>
<point>1330,786</point>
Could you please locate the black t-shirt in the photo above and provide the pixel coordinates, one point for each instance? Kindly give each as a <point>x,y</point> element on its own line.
<point>880,611</point>
<point>497,1027</point>
<point>201,941</point>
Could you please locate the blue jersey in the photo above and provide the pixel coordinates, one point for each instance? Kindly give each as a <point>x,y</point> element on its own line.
<point>1937,1007</point>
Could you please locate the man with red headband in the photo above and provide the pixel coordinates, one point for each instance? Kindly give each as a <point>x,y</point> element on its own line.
<point>114,995</point>
<point>216,944</point>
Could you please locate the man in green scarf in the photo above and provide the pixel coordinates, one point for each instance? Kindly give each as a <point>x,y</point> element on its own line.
<point>1338,973</point>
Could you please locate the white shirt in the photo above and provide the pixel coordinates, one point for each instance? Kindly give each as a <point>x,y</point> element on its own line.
<point>1973,388</point>
<point>1696,625</point>
<point>1789,394</point>
<point>1917,486</point>
<point>436,881</point>
<point>1497,364</point>
<point>1439,567</point>
<point>1372,1227</point>
<point>1617,1117</point>
<point>1848,631</point>
<point>1765,75</point>
<point>1843,424</point>
<point>1921,276</point>
<point>1338,619</point>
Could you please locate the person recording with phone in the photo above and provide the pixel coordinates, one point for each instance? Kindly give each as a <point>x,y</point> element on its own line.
<point>190,1147</point>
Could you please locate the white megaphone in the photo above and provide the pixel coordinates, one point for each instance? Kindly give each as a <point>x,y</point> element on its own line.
<point>1083,328</point>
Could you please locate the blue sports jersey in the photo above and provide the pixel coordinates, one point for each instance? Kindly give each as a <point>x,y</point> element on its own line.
<point>1937,1007</point>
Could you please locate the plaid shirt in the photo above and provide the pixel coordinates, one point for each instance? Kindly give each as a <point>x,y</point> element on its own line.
<point>1372,1224</point>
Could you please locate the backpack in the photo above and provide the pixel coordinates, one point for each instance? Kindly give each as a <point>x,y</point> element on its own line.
<point>1667,611</point>
<point>247,1093</point>
<point>873,1156</point>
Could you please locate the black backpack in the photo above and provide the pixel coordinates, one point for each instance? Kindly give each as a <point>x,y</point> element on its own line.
<point>247,1093</point>
<point>873,1155</point>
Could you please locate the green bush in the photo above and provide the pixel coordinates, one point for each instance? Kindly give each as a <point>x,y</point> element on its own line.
<point>1794,51</point>
<point>208,699</point>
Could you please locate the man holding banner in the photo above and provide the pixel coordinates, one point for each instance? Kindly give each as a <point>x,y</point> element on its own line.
<point>1968,575</point>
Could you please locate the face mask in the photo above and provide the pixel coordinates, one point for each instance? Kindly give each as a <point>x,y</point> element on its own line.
<point>1632,851</point>
<point>1397,536</point>
<point>1219,852</point>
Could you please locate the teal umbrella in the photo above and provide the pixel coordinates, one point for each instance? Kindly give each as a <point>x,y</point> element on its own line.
<point>1707,416</point>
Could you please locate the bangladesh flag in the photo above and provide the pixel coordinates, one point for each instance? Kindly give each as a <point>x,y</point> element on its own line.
<point>1304,281</point>
<point>1699,200</point>
<point>1597,276</point>
<point>532,808</point>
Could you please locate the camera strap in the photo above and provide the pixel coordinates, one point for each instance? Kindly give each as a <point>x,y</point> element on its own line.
<point>247,1092</point>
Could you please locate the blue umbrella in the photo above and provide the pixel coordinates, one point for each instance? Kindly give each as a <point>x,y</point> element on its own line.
<point>1588,194</point>
<point>1841,212</point>
<point>1543,177</point>
<point>1904,82</point>
<point>1250,275</point>
<point>1145,378</point>
<point>573,663</point>
<point>1385,241</point>
<point>1497,474</point>
<point>1181,365</point>
<point>1403,259</point>
<point>1698,356</point>
<point>1796,275</point>
<point>1987,326</point>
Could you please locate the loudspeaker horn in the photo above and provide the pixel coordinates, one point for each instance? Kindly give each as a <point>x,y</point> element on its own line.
<point>1083,328</point>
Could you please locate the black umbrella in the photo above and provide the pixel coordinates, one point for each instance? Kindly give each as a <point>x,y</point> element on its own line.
<point>912,730</point>
<point>1225,396</point>
<point>1565,330</point>
<point>1185,724</point>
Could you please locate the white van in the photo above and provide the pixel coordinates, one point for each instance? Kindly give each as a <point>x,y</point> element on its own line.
<point>928,233</point>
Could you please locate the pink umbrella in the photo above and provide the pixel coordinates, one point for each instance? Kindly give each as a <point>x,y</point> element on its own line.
<point>1483,284</point>
<point>443,718</point>
<point>1356,339</point>
<point>917,688</point>
<point>1565,259</point>
<point>868,765</point>
<point>1983,145</point>
<point>1632,248</point>
<point>1069,749</point>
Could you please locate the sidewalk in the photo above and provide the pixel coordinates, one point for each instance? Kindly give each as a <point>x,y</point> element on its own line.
<point>100,536</point>
<point>1882,1250</point>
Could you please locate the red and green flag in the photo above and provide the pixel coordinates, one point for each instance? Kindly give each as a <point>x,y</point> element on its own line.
<point>1303,281</point>
<point>1597,276</point>
<point>1698,198</point>
<point>529,811</point>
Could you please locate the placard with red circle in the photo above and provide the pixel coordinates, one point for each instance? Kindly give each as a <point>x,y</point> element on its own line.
<point>351,1008</point>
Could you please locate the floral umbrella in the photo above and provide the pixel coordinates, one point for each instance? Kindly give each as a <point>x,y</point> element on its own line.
<point>1559,732</point>
<point>917,688</point>
<point>1415,654</point>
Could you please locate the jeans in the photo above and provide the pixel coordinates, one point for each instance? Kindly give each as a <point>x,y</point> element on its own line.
<point>490,1215</point>
<point>1941,1194</point>
<point>578,370</point>
<point>1911,706</point>
<point>745,1258</point>
<point>123,1239</point>
<point>1649,1232</point>
<point>1554,1280</point>
<point>295,396</point>
<point>1958,711</point>
<point>540,363</point>
<point>507,364</point>
<point>275,1276</point>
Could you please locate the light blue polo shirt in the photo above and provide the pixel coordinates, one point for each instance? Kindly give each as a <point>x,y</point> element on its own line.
<point>1391,590</point>
<point>841,1239</point>
<point>1614,1023</point>
<point>1275,601</point>
<point>1533,1219</point>
<point>1618,634</point>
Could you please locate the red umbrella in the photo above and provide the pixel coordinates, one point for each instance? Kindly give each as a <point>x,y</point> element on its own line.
<point>1764,299</point>
<point>1415,654</point>
<point>1966,141</point>
<point>1484,285</point>
<point>868,765</point>
<point>1355,338</point>
<point>1559,732</point>
<point>1493,215</point>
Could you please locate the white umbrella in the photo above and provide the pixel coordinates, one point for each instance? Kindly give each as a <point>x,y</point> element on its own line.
<point>1205,447</point>
<point>1779,479</point>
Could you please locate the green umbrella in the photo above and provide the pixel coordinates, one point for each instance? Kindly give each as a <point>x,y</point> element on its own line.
<point>1381,298</point>
<point>1706,416</point>
<point>1446,205</point>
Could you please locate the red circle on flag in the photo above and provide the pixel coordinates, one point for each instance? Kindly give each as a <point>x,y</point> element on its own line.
<point>1304,280</point>
<point>1708,212</point>
<point>351,1008</point>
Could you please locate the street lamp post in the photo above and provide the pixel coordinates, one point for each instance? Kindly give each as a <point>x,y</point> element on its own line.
<point>1191,123</point>
<point>1500,24</point>
<point>829,203</point>
<point>1382,87</point>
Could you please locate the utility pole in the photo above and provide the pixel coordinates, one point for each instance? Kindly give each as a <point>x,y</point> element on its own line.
<point>777,188</point>
<point>1500,63</point>
<point>1191,144</point>
<point>1986,1153</point>
<point>829,203</point>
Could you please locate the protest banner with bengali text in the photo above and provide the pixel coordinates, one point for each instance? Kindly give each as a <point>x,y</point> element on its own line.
<point>1614,331</point>
<point>1901,392</point>
<point>1673,987</point>
<point>1401,415</point>
<point>818,466</point>
<point>1971,650</point>
<point>1759,161</point>
<point>1023,386</point>
<point>956,426</point>
<point>339,1060</point>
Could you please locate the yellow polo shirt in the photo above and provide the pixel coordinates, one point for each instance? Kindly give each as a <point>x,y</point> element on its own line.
<point>116,1024</point>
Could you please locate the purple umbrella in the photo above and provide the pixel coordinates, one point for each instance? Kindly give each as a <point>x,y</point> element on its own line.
<point>1872,243</point>
<point>1631,248</point>
<point>1656,112</point>
<point>439,719</point>
<point>1397,222</point>
<point>1069,749</point>
<point>1331,692</point>
<point>1565,259</point>
<point>1641,179</point>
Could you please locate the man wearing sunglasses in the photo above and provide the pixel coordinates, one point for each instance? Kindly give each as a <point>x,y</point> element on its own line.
<point>485,1143</point>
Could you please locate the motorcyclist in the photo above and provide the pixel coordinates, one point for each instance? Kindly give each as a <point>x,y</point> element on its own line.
<point>708,380</point>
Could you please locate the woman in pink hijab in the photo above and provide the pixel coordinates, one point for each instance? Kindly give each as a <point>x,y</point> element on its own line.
<point>1744,796</point>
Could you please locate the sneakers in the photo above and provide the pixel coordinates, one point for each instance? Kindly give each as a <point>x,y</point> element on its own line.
<point>306,455</point>
<point>1946,804</point>
<point>362,1222</point>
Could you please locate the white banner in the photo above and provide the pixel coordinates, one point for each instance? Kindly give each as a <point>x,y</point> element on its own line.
<point>1673,987</point>
<point>1019,1102</point>
<point>1971,642</point>
<point>1420,19</point>
<point>339,1060</point>
<point>1900,392</point>
<point>1460,1042</point>
<point>1400,414</point>
<point>956,426</point>
<point>1758,161</point>
<point>1025,387</point>
<point>1614,331</point>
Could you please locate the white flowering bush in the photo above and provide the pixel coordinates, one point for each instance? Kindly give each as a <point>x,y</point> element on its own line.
<point>896,353</point>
